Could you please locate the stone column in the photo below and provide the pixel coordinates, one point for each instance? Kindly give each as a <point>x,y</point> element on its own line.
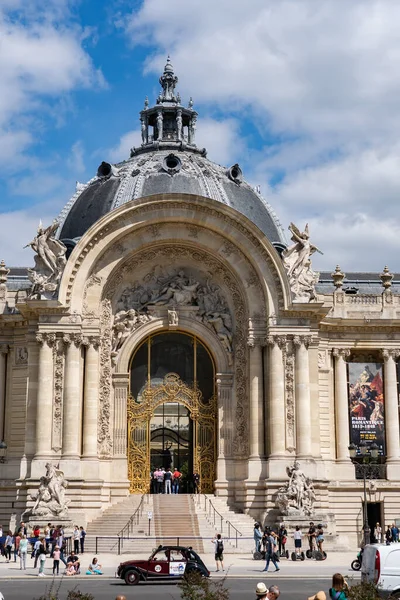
<point>277,425</point>
<point>256,428</point>
<point>302,397</point>
<point>3,379</point>
<point>391,410</point>
<point>44,408</point>
<point>72,404</point>
<point>341,405</point>
<point>121,383</point>
<point>91,398</point>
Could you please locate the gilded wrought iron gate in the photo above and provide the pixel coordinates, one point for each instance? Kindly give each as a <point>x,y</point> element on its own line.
<point>204,419</point>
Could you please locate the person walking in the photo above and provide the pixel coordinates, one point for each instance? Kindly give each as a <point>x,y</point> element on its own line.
<point>388,536</point>
<point>42,557</point>
<point>17,539</point>
<point>8,544</point>
<point>270,553</point>
<point>297,536</point>
<point>23,551</point>
<point>82,539</point>
<point>56,560</point>
<point>218,551</point>
<point>35,553</point>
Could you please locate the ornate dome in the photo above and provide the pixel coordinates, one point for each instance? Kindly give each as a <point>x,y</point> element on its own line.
<point>168,161</point>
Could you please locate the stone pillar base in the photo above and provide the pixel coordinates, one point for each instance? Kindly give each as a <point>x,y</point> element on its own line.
<point>392,470</point>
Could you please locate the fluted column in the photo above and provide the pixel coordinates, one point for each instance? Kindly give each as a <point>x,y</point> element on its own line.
<point>341,405</point>
<point>44,408</point>
<point>391,407</point>
<point>256,398</point>
<point>302,397</point>
<point>72,396</point>
<point>3,377</point>
<point>91,398</point>
<point>277,426</point>
<point>121,383</point>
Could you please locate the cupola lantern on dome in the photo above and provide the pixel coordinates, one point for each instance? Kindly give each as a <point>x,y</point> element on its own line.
<point>168,125</point>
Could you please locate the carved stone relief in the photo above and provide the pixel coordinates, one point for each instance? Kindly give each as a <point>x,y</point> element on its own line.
<point>203,296</point>
<point>289,391</point>
<point>58,361</point>
<point>21,356</point>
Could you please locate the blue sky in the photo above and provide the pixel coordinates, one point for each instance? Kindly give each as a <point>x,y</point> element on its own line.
<point>302,93</point>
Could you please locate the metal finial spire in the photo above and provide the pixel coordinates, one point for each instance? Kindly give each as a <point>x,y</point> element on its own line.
<point>168,81</point>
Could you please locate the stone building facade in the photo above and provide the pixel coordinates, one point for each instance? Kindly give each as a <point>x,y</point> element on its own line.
<point>168,321</point>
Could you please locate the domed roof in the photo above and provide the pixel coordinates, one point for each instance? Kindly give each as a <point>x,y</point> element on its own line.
<point>168,162</point>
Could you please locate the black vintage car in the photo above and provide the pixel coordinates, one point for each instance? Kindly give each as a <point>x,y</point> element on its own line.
<point>165,562</point>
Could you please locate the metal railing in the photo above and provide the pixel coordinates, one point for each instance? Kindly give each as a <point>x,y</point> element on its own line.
<point>213,516</point>
<point>105,544</point>
<point>134,519</point>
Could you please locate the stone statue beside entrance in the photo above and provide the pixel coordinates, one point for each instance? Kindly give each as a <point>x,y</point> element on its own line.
<point>296,260</point>
<point>50,262</point>
<point>49,500</point>
<point>297,497</point>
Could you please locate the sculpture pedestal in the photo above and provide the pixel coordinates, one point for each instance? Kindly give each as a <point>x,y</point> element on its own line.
<point>327,520</point>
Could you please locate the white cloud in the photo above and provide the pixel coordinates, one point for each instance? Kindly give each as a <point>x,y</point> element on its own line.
<point>320,82</point>
<point>121,151</point>
<point>76,160</point>
<point>221,139</point>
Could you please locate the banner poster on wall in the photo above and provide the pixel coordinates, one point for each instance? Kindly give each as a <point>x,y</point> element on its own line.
<point>366,404</point>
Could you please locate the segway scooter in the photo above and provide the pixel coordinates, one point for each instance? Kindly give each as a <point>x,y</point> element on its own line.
<point>317,554</point>
<point>300,556</point>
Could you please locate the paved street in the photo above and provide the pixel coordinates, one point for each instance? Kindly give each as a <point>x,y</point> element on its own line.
<point>293,589</point>
<point>297,580</point>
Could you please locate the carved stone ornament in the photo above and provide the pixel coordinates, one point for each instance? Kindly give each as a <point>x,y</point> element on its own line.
<point>297,497</point>
<point>173,318</point>
<point>180,289</point>
<point>58,361</point>
<point>338,277</point>
<point>50,262</point>
<point>104,425</point>
<point>49,500</point>
<point>386,277</point>
<point>297,262</point>
<point>290,406</point>
<point>21,355</point>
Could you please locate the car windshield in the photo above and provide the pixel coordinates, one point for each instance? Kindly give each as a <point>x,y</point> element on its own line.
<point>176,555</point>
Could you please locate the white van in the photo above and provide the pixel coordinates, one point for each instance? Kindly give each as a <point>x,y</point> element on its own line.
<point>381,565</point>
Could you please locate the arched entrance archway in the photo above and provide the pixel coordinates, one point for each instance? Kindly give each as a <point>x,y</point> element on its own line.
<point>172,410</point>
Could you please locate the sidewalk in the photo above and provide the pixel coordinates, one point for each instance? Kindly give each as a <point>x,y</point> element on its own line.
<point>236,565</point>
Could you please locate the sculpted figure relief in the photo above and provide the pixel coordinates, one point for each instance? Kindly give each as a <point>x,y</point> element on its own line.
<point>173,288</point>
<point>50,497</point>
<point>50,261</point>
<point>296,260</point>
<point>297,496</point>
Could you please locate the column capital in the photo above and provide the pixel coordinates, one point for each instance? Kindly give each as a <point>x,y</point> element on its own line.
<point>94,341</point>
<point>46,338</point>
<point>390,353</point>
<point>256,339</point>
<point>279,340</point>
<point>4,348</point>
<point>73,338</point>
<point>299,340</point>
<point>341,352</point>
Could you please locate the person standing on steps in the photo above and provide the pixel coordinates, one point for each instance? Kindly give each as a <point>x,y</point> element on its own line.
<point>176,478</point>
<point>167,481</point>
<point>196,482</point>
<point>219,552</point>
<point>76,537</point>
<point>270,553</point>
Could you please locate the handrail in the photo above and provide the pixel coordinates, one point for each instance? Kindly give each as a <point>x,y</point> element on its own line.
<point>135,517</point>
<point>119,541</point>
<point>211,505</point>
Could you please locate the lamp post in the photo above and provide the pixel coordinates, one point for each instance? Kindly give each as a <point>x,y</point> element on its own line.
<point>369,467</point>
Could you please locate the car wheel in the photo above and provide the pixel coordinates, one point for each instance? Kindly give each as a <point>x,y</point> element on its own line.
<point>197,571</point>
<point>132,577</point>
<point>395,594</point>
<point>356,565</point>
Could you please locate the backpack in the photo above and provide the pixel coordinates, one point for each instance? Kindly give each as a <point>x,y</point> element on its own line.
<point>220,546</point>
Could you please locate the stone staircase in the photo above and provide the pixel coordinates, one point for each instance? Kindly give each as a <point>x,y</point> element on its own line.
<point>175,521</point>
<point>242,522</point>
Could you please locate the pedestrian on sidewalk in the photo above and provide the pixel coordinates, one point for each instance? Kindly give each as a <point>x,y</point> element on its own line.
<point>219,551</point>
<point>17,539</point>
<point>42,557</point>
<point>270,553</point>
<point>263,593</point>
<point>76,535</point>
<point>282,539</point>
<point>56,560</point>
<point>388,536</point>
<point>82,539</point>
<point>23,551</point>
<point>378,533</point>
<point>8,544</point>
<point>35,553</point>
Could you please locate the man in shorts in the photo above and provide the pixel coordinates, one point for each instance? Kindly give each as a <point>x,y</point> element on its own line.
<point>219,552</point>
